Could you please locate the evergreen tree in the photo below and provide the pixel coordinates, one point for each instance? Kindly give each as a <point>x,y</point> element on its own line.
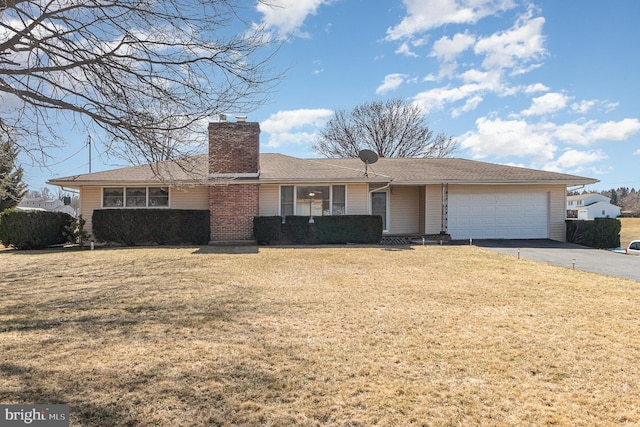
<point>614,197</point>
<point>624,192</point>
<point>12,188</point>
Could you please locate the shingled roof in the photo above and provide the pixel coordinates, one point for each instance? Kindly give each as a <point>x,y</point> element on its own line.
<point>279,168</point>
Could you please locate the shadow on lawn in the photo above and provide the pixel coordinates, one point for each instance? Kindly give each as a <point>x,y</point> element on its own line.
<point>133,391</point>
<point>36,386</point>
<point>116,393</point>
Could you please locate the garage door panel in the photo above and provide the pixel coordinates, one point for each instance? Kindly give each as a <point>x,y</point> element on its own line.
<point>499,216</point>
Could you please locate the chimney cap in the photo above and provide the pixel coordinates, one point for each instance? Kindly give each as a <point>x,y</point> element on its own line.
<point>222,117</point>
<point>241,118</point>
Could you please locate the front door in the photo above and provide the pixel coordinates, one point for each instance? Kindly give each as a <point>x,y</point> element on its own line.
<point>379,206</point>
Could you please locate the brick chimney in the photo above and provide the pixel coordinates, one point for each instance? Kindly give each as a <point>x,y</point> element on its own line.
<point>234,149</point>
<point>234,157</point>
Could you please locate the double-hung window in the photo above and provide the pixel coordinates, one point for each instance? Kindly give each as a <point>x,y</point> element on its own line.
<point>135,197</point>
<point>312,200</point>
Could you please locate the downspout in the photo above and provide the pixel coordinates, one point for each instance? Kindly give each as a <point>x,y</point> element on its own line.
<point>384,187</point>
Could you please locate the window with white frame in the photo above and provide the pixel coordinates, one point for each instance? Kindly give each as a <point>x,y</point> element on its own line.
<point>135,197</point>
<point>312,200</point>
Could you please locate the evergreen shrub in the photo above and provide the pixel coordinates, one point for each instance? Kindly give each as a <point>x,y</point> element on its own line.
<point>267,229</point>
<point>142,226</point>
<point>601,233</point>
<point>33,229</point>
<point>324,230</point>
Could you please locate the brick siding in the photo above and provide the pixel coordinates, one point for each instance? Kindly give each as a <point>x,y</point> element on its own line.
<point>234,148</point>
<point>232,208</point>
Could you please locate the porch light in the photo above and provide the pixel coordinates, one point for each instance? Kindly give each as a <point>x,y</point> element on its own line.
<point>311,196</point>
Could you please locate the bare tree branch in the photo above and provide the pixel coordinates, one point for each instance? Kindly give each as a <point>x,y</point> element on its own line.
<point>146,73</point>
<point>392,129</point>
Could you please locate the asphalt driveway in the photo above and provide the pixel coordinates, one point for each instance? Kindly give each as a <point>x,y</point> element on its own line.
<point>569,255</point>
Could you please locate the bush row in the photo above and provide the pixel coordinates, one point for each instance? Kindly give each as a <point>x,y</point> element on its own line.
<point>342,229</point>
<point>161,226</point>
<point>33,229</point>
<point>599,233</point>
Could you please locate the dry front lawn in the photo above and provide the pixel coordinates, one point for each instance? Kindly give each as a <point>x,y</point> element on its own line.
<point>630,231</point>
<point>352,336</point>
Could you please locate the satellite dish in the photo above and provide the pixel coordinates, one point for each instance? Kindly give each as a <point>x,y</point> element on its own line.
<point>369,157</point>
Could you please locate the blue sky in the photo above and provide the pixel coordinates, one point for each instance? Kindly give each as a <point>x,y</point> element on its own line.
<point>547,84</point>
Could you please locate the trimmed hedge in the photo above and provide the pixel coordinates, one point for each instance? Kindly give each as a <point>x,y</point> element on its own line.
<point>325,230</point>
<point>33,229</point>
<point>297,229</point>
<point>267,229</point>
<point>601,233</point>
<point>349,229</point>
<point>141,226</point>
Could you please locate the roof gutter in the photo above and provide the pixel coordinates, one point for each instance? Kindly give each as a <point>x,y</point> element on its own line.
<point>74,191</point>
<point>578,188</point>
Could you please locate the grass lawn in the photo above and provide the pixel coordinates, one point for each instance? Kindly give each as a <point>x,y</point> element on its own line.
<point>352,336</point>
<point>630,231</point>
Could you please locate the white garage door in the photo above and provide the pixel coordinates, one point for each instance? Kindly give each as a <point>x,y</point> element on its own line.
<point>499,216</point>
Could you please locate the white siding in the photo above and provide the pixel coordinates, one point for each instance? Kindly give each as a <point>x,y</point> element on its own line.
<point>557,212</point>
<point>90,200</point>
<point>433,222</point>
<point>357,199</point>
<point>196,197</point>
<point>405,209</point>
<point>269,200</point>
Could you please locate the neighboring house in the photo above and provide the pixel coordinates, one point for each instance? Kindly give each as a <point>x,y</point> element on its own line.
<point>464,198</point>
<point>590,206</point>
<point>41,204</point>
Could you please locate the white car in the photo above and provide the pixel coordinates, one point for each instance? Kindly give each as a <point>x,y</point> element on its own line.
<point>633,248</point>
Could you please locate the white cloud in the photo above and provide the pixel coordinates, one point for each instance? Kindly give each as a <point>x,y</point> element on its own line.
<point>572,133</point>
<point>391,82</point>
<point>503,138</point>
<point>405,50</point>
<point>614,131</point>
<point>471,104</point>
<point>487,79</point>
<point>294,126</point>
<point>318,67</point>
<point>287,16</point>
<point>538,87</point>
<point>447,49</point>
<point>590,132</point>
<point>611,106</point>
<point>424,15</point>
<point>637,152</point>
<point>514,48</point>
<point>575,161</point>
<point>436,99</point>
<point>541,140</point>
<point>584,106</point>
<point>476,83</point>
<point>547,103</point>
